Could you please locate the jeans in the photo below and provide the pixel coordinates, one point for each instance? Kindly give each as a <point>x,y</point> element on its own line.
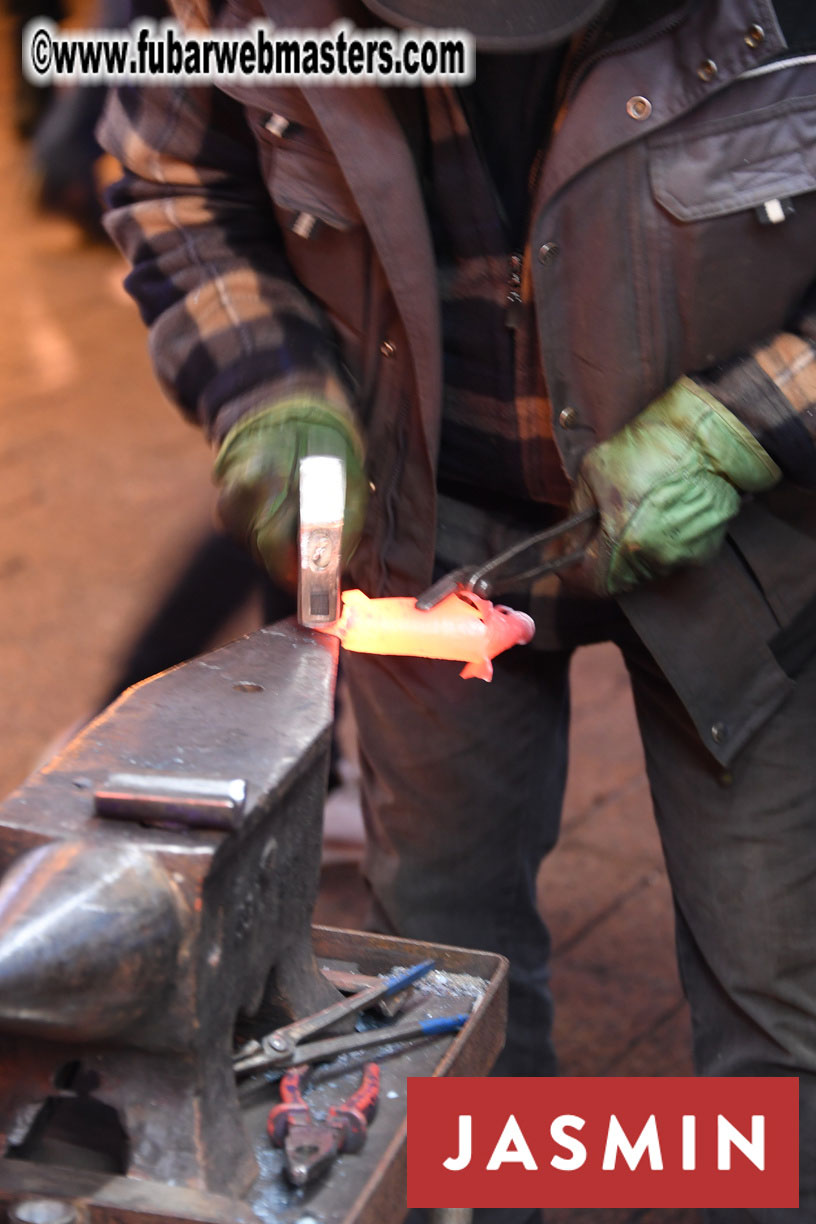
<point>462,789</point>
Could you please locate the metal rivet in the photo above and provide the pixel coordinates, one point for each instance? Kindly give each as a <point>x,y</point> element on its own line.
<point>725,778</point>
<point>547,252</point>
<point>719,733</point>
<point>754,35</point>
<point>304,224</point>
<point>568,418</point>
<point>388,348</point>
<point>707,70</point>
<point>638,107</point>
<point>277,124</point>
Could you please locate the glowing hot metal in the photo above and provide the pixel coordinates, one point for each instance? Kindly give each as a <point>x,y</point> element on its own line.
<point>462,627</point>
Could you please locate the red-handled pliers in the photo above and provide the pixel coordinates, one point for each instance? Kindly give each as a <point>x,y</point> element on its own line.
<point>311,1145</point>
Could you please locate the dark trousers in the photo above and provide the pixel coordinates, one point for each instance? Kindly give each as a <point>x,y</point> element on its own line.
<point>463,784</point>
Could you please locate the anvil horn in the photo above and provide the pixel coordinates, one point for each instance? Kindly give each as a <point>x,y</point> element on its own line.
<point>89,939</point>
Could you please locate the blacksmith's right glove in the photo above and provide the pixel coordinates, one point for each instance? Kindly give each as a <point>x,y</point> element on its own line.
<point>666,486</point>
<point>257,470</point>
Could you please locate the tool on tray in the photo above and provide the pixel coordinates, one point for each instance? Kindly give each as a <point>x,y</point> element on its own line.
<point>288,1046</point>
<point>311,1144</point>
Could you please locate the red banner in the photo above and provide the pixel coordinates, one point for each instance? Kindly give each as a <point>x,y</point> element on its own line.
<point>609,1142</point>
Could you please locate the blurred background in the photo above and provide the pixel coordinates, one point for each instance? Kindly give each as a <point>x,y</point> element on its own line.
<point>105,499</point>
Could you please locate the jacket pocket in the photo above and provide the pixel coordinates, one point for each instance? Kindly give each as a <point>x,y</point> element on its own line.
<point>326,245</point>
<point>737,163</point>
<point>735,222</point>
<point>299,169</point>
<point>308,192</point>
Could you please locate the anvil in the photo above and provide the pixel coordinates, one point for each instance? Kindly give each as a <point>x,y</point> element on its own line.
<point>157,881</point>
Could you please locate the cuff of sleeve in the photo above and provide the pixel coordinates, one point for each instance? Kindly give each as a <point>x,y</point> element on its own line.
<point>319,389</point>
<point>757,401</point>
<point>303,408</point>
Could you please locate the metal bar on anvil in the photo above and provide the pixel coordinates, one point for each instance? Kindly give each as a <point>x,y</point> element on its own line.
<point>173,801</point>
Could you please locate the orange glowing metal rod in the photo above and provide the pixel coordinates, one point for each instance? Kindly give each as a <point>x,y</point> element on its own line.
<point>463,627</point>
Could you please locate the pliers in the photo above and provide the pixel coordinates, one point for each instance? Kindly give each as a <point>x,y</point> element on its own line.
<point>311,1145</point>
<point>493,576</point>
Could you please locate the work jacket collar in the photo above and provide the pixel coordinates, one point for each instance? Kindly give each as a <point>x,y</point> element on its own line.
<point>637,85</point>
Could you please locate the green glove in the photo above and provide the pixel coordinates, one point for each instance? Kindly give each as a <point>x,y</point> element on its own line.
<point>257,469</point>
<point>667,485</point>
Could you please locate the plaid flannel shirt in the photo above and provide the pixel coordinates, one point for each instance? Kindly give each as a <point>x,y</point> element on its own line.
<point>230,330</point>
<point>496,432</point>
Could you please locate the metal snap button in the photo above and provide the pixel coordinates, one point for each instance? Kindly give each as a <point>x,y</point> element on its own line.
<point>707,70</point>
<point>568,418</point>
<point>638,107</point>
<point>719,733</point>
<point>754,35</point>
<point>547,252</point>
<point>278,125</point>
<point>304,225</point>
<point>388,348</point>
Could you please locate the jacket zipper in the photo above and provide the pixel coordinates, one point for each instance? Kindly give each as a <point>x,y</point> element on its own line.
<point>514,309</point>
<point>513,303</point>
<point>575,72</point>
<point>390,495</point>
<point>515,306</point>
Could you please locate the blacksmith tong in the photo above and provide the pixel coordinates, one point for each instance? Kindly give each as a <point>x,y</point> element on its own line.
<point>288,1047</point>
<point>546,552</point>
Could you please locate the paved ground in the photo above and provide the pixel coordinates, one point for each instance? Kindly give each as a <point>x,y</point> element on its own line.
<point>104,490</point>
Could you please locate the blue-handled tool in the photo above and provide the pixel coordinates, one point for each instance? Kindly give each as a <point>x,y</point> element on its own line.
<point>439,1024</point>
<point>384,1034</point>
<point>286,1047</point>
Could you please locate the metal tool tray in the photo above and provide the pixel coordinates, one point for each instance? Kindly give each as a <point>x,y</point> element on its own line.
<point>366,1188</point>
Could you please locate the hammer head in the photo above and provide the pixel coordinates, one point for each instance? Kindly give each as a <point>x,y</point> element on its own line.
<point>322,503</point>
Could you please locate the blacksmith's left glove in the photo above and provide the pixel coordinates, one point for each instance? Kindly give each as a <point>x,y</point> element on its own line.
<point>666,486</point>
